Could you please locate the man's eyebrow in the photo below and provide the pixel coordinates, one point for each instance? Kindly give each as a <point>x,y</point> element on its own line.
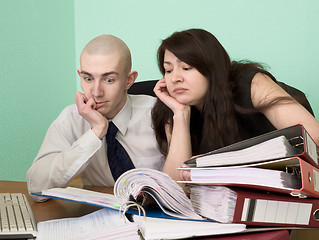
<point>109,73</point>
<point>103,74</point>
<point>86,73</point>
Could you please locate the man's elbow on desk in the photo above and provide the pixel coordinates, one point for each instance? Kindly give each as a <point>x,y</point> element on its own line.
<point>34,187</point>
<point>31,190</point>
<point>37,198</point>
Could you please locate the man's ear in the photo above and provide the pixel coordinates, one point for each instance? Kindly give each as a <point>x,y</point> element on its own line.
<point>79,72</point>
<point>131,79</point>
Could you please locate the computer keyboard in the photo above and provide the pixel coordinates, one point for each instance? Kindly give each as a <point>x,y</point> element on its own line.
<point>16,217</point>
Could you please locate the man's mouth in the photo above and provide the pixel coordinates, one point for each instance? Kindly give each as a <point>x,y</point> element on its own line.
<point>100,104</point>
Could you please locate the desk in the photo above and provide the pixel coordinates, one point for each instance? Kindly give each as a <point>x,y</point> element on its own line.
<point>51,209</point>
<point>55,209</point>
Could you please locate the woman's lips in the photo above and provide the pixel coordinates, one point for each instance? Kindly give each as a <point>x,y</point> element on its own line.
<point>179,90</point>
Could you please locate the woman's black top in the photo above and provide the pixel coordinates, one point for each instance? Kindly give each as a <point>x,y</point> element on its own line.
<point>252,124</point>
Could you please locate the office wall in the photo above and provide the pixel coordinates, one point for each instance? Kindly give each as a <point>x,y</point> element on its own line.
<point>283,34</point>
<point>37,76</point>
<point>41,40</point>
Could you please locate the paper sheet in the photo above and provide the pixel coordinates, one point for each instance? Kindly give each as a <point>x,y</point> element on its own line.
<point>102,224</point>
<point>159,228</point>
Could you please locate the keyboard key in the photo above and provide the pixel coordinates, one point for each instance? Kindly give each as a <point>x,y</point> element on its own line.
<point>4,219</point>
<point>16,216</point>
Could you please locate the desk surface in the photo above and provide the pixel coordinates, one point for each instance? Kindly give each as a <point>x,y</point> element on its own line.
<point>55,209</point>
<point>51,209</point>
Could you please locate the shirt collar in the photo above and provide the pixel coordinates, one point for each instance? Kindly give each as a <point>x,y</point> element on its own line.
<point>121,119</point>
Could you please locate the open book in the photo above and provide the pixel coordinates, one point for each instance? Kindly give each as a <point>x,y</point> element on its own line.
<point>131,190</point>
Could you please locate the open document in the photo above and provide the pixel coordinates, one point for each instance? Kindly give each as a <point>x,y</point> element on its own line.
<point>159,228</point>
<point>103,224</point>
<point>137,185</point>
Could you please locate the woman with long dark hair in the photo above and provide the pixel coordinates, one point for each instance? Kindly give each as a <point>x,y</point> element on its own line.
<point>206,101</point>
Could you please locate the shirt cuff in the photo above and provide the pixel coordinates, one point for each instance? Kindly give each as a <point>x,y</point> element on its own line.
<point>89,141</point>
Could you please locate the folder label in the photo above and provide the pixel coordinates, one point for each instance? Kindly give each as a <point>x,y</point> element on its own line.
<point>271,211</point>
<point>311,147</point>
<point>315,180</point>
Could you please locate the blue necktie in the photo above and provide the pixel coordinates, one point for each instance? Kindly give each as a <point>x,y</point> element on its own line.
<point>119,160</point>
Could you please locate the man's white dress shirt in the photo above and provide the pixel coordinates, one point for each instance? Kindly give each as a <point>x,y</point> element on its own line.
<point>71,148</point>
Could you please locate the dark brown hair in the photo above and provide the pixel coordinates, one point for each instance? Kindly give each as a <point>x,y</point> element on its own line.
<point>216,125</point>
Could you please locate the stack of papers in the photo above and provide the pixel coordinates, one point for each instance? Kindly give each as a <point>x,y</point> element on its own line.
<point>219,202</point>
<point>159,228</point>
<point>137,183</point>
<point>104,224</point>
<point>278,147</point>
<point>251,177</point>
<point>168,195</point>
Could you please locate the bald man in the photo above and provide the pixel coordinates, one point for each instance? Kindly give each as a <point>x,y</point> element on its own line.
<point>75,142</point>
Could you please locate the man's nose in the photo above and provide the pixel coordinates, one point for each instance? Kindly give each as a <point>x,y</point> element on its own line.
<point>97,89</point>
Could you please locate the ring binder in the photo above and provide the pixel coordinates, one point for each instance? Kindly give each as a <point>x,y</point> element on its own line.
<point>130,204</point>
<point>292,141</point>
<point>298,143</point>
<point>308,177</point>
<point>254,207</point>
<point>130,186</point>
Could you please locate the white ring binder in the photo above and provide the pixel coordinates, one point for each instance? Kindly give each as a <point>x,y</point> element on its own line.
<point>130,204</point>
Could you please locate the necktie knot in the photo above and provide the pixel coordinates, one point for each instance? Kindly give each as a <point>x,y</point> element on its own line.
<point>111,131</point>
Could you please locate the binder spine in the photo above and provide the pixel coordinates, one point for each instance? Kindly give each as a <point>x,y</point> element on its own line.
<point>277,211</point>
<point>309,180</point>
<point>310,147</point>
<point>305,147</point>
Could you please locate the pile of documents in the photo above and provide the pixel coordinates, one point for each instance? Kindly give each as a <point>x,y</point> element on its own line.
<point>171,217</point>
<point>103,224</point>
<point>269,180</point>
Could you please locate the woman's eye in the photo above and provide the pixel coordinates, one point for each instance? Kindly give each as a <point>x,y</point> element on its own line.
<point>168,71</point>
<point>187,68</point>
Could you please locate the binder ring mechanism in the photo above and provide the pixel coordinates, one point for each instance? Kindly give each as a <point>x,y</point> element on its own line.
<point>300,195</point>
<point>297,141</point>
<point>316,215</point>
<point>130,204</point>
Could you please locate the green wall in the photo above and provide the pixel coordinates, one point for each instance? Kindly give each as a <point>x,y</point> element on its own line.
<point>283,34</point>
<point>37,76</point>
<point>41,41</point>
